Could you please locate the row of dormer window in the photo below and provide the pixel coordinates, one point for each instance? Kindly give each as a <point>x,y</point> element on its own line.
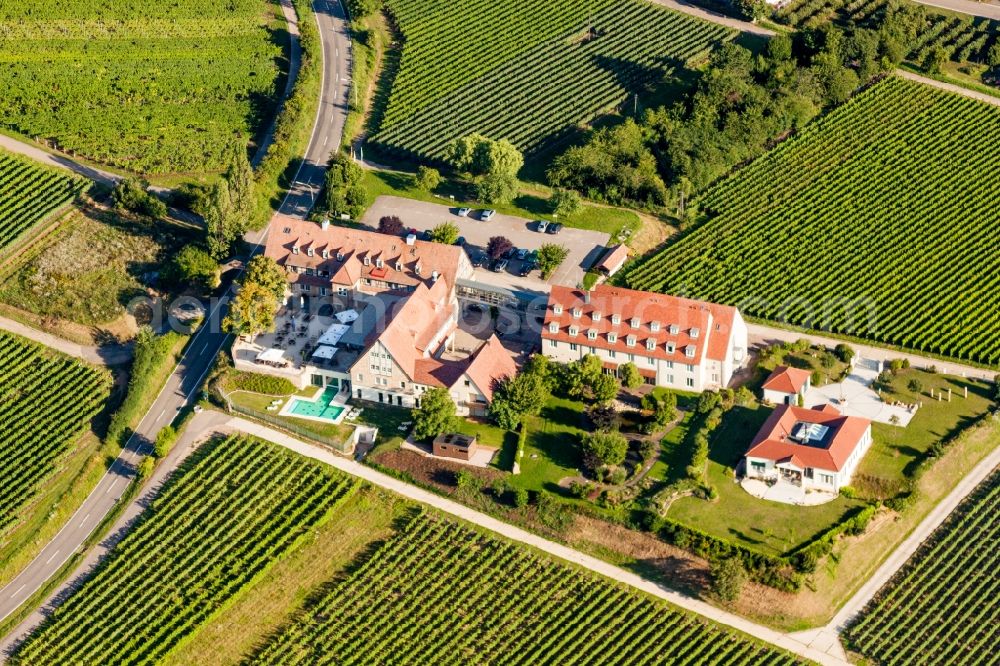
<point>630,340</point>
<point>634,322</point>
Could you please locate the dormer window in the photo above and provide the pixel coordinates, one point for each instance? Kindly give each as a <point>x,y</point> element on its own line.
<point>670,348</point>
<point>612,337</point>
<point>650,344</point>
<point>592,334</point>
<point>595,316</point>
<point>630,340</point>
<point>654,326</point>
<point>340,256</point>
<point>689,351</point>
<point>674,329</point>
<point>557,309</point>
<point>616,319</point>
<point>573,330</point>
<point>694,333</point>
<point>553,327</point>
<point>577,312</point>
<point>635,322</point>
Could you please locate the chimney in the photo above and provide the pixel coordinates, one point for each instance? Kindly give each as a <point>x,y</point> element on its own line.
<point>324,224</point>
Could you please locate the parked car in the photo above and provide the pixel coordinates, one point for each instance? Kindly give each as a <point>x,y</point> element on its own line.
<point>464,212</point>
<point>554,228</point>
<point>499,266</point>
<point>487,215</point>
<point>540,226</point>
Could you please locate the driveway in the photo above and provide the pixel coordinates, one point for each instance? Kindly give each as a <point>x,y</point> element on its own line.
<point>585,247</point>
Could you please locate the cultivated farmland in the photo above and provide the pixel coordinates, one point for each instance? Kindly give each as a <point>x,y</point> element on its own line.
<point>878,221</point>
<point>28,193</point>
<point>46,401</point>
<point>444,594</point>
<point>526,73</point>
<point>234,508</point>
<point>942,606</point>
<point>150,87</point>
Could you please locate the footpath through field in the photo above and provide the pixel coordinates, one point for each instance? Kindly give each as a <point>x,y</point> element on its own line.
<point>727,21</point>
<point>107,355</point>
<point>204,423</point>
<point>989,10</point>
<point>762,334</point>
<point>950,87</point>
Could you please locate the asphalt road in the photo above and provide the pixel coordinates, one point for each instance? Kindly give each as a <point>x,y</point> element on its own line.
<point>183,385</point>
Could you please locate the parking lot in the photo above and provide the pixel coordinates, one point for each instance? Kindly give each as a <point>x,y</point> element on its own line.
<point>585,247</point>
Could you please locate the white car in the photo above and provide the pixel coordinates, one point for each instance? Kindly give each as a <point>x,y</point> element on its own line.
<point>487,215</point>
<point>463,212</point>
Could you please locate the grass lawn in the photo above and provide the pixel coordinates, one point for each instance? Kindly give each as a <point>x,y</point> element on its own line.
<point>737,516</point>
<point>358,525</point>
<point>527,204</point>
<point>552,450</point>
<point>896,451</point>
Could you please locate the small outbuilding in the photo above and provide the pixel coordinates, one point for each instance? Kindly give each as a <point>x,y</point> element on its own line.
<point>454,445</point>
<point>786,385</point>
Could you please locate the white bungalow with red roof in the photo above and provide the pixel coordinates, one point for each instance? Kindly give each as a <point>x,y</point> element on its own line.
<point>786,385</point>
<point>675,342</point>
<point>813,448</point>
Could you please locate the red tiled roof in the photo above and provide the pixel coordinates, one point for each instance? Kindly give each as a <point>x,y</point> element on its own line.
<point>705,327</point>
<point>773,440</point>
<point>490,364</point>
<point>354,245</point>
<point>786,379</point>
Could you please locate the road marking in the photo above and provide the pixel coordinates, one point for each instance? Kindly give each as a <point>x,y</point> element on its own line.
<point>17,591</point>
<point>52,557</point>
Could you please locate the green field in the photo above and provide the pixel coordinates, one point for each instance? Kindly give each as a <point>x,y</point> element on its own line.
<point>232,510</point>
<point>153,88</point>
<point>529,71</point>
<point>46,402</point>
<point>942,606</point>
<point>440,593</point>
<point>28,193</point>
<point>877,221</point>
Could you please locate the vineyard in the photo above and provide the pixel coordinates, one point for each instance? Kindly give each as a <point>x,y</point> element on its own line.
<point>942,606</point>
<point>877,221</point>
<point>160,90</point>
<point>46,402</point>
<point>234,508</point>
<point>964,38</point>
<point>440,593</point>
<point>28,193</point>
<point>525,79</point>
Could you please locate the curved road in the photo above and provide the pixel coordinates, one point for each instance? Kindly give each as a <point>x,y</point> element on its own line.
<point>183,385</point>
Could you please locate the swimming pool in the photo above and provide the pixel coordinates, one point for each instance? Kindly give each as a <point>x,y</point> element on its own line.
<point>319,408</point>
